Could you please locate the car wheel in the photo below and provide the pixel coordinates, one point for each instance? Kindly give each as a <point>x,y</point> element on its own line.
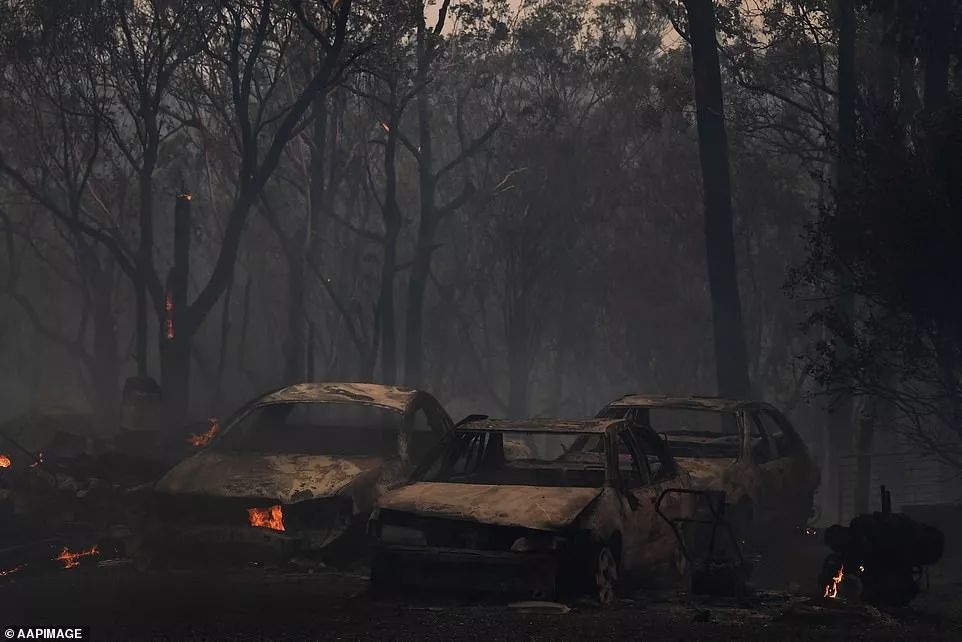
<point>605,574</point>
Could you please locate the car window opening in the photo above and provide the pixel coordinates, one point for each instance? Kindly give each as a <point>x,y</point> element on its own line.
<point>333,429</point>
<point>519,458</point>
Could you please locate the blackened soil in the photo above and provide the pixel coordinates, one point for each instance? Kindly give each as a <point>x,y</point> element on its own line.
<point>120,603</point>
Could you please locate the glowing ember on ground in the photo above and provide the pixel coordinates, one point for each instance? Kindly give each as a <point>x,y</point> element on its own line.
<point>5,461</point>
<point>831,590</point>
<point>204,439</point>
<point>11,571</point>
<point>272,518</point>
<point>71,560</point>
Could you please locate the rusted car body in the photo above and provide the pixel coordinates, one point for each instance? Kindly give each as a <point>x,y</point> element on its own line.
<point>293,472</point>
<point>763,467</point>
<point>532,507</point>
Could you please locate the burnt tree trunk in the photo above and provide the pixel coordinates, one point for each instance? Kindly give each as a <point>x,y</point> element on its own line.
<point>864,437</point>
<point>296,320</point>
<point>730,353</point>
<point>297,346</point>
<point>245,318</point>
<point>178,327</point>
<point>310,352</point>
<point>418,279</point>
<point>519,361</point>
<point>391,215</point>
<point>105,367</point>
<point>222,350</point>
<point>841,412</point>
<point>145,249</point>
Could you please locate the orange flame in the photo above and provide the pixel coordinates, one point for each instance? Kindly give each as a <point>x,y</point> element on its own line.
<point>272,518</point>
<point>71,560</point>
<point>204,439</point>
<point>831,590</point>
<point>11,571</point>
<point>5,461</point>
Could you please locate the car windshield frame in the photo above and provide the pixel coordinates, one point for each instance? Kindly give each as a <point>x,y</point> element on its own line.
<point>221,442</point>
<point>451,452</point>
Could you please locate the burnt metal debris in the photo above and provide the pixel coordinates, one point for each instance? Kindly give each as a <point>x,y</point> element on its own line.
<point>880,557</point>
<point>709,544</point>
<point>763,466</point>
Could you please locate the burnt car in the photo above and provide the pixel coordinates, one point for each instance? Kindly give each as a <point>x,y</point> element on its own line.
<point>292,474</point>
<point>533,507</point>
<point>748,449</point>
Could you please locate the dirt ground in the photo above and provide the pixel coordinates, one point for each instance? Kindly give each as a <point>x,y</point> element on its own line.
<point>120,603</point>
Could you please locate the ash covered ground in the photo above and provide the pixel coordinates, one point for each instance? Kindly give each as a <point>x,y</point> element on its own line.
<point>119,602</point>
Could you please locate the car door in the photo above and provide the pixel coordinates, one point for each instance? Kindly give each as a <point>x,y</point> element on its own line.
<point>662,543</point>
<point>647,540</point>
<point>787,478</point>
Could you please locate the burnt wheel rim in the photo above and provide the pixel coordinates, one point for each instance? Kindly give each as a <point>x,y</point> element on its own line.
<point>606,575</point>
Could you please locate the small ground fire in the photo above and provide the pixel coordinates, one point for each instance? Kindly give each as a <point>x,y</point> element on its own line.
<point>204,438</point>
<point>71,560</point>
<point>5,461</point>
<point>272,517</point>
<point>831,590</point>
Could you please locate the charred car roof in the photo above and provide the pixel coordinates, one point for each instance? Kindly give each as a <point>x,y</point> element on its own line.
<point>542,425</point>
<point>365,394</point>
<point>711,404</point>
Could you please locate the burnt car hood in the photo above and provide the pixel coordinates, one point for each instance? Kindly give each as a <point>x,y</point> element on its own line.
<point>546,508</point>
<point>287,478</point>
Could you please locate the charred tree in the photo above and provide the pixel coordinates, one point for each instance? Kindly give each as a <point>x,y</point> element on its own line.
<point>429,42</point>
<point>391,216</point>
<point>176,332</point>
<point>731,361</point>
<point>841,412</point>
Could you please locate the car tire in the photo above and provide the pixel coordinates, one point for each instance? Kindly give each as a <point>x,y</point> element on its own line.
<point>605,573</point>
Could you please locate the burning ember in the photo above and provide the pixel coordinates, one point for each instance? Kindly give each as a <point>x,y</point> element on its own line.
<point>5,461</point>
<point>204,439</point>
<point>71,560</point>
<point>831,590</point>
<point>272,518</point>
<point>11,571</point>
